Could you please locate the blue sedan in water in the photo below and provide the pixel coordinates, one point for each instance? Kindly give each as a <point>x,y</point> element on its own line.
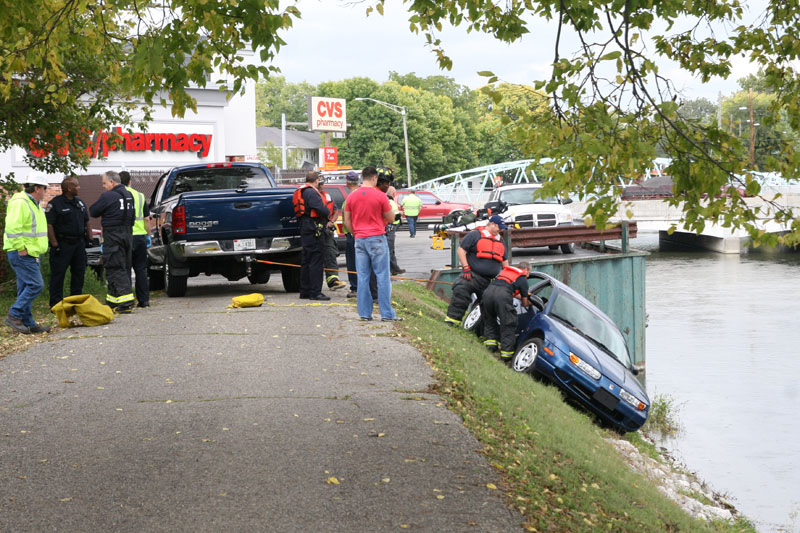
<point>570,341</point>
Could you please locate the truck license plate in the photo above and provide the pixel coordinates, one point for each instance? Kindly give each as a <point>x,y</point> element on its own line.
<point>244,244</point>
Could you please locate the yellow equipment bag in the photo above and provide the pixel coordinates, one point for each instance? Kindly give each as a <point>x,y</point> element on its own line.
<point>90,312</point>
<point>248,300</point>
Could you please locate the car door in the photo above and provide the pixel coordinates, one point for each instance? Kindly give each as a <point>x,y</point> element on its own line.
<point>431,209</point>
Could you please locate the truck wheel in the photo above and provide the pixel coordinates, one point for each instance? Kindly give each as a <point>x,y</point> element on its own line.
<point>291,279</point>
<point>155,279</point>
<point>568,248</point>
<point>174,285</point>
<point>259,276</point>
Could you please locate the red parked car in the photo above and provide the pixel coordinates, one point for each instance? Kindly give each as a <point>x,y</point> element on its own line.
<point>433,209</point>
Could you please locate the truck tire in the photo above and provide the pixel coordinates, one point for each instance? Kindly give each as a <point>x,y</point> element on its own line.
<point>291,279</point>
<point>568,248</point>
<point>259,276</point>
<point>155,279</point>
<point>174,285</point>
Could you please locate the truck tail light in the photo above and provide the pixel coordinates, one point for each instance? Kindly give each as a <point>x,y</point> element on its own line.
<point>179,220</point>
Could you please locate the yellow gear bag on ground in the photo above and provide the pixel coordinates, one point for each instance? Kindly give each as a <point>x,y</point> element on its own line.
<point>247,300</point>
<point>90,311</point>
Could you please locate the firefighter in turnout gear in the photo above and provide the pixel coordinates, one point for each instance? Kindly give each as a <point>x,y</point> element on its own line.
<point>497,305</point>
<point>482,255</point>
<point>116,207</point>
<point>313,215</point>
<point>329,236</point>
<point>141,230</point>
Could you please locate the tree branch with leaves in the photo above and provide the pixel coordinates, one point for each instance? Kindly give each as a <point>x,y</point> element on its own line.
<point>611,108</point>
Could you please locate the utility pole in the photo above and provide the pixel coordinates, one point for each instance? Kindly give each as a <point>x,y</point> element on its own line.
<point>402,110</point>
<point>283,144</point>
<point>752,132</point>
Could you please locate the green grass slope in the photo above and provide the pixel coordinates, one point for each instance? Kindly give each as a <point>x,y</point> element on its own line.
<point>557,469</point>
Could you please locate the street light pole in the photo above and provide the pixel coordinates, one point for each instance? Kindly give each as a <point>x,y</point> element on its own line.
<point>402,110</point>
<point>752,132</point>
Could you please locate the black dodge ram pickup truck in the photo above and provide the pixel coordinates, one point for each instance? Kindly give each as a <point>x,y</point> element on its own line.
<point>220,218</point>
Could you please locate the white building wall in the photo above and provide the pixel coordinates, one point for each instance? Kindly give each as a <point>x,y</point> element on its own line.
<point>240,125</point>
<point>230,123</point>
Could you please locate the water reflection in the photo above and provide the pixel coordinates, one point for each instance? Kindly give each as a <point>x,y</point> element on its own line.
<point>722,341</point>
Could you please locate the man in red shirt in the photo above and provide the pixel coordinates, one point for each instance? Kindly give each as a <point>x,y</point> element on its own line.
<point>367,212</point>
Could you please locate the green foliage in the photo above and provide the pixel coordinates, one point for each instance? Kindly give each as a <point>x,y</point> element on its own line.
<point>663,418</point>
<point>271,156</point>
<point>7,187</point>
<point>610,106</point>
<point>73,68</point>
<point>275,96</point>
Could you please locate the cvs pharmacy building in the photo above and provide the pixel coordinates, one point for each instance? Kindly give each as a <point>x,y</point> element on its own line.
<point>221,130</point>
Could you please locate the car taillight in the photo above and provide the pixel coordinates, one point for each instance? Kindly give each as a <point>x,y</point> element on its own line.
<point>218,165</point>
<point>179,219</point>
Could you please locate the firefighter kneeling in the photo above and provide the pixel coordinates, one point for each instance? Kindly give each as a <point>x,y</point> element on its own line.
<point>498,303</point>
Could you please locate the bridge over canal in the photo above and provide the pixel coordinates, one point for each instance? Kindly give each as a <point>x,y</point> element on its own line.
<point>474,186</point>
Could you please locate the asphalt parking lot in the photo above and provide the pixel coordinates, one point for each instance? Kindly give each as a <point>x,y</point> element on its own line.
<point>188,416</point>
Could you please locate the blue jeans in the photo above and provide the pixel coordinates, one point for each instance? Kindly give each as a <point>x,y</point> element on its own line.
<point>412,224</point>
<point>372,255</point>
<point>29,285</point>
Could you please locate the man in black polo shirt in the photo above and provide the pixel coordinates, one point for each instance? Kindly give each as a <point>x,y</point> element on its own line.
<point>116,208</point>
<point>68,232</point>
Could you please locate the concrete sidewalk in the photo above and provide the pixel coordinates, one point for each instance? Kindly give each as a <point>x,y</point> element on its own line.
<point>191,417</point>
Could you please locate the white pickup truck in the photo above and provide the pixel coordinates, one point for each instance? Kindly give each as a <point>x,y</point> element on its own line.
<point>527,209</point>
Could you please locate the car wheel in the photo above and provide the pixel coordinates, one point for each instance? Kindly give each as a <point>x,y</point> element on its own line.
<point>568,248</point>
<point>474,320</point>
<point>259,276</point>
<point>174,285</point>
<point>291,279</point>
<point>525,358</point>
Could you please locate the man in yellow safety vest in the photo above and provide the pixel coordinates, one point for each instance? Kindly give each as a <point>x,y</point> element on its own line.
<point>412,205</point>
<point>141,240</point>
<point>25,239</point>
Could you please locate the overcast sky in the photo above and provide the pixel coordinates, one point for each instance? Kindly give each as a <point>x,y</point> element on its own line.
<point>335,40</point>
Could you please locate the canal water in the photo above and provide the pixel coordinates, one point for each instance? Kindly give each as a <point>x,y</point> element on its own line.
<point>723,341</point>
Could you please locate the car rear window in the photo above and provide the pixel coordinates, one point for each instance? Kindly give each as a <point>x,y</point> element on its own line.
<point>336,196</point>
<point>526,196</point>
<point>219,178</point>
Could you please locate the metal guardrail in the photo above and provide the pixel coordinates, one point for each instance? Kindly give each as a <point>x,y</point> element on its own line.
<point>554,235</point>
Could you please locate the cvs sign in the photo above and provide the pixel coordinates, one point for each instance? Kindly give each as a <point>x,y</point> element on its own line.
<point>327,114</point>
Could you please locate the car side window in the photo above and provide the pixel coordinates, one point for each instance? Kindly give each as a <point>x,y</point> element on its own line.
<point>336,196</point>
<point>158,192</point>
<point>543,290</point>
<point>427,199</point>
